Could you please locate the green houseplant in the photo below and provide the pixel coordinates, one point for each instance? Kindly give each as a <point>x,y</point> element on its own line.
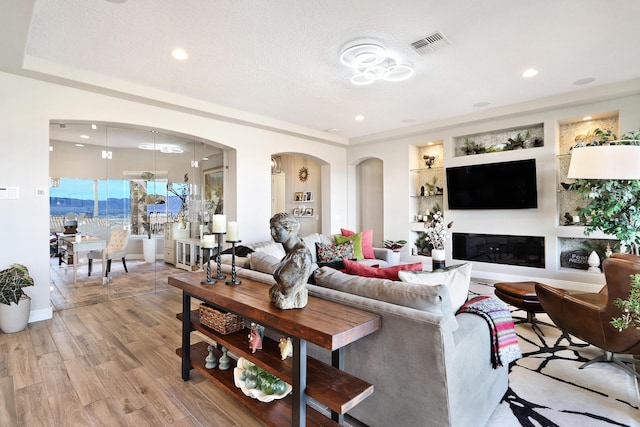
<point>613,206</point>
<point>630,307</point>
<point>15,304</point>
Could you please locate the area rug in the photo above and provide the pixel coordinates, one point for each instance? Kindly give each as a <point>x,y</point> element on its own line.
<point>546,388</point>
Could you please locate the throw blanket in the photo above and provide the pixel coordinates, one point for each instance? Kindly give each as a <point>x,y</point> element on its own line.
<point>504,341</point>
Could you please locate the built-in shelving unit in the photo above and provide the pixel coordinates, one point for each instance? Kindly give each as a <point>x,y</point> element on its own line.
<point>519,138</point>
<point>573,246</point>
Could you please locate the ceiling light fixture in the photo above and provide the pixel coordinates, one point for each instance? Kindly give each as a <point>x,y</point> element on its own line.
<point>372,63</point>
<point>531,72</point>
<point>79,145</point>
<point>587,118</point>
<point>359,117</point>
<point>179,54</point>
<point>84,136</point>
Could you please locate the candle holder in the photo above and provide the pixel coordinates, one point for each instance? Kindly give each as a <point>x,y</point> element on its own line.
<point>219,257</point>
<point>206,252</point>
<point>233,280</point>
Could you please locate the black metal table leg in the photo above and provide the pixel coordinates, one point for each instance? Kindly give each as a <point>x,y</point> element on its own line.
<point>299,416</point>
<point>186,336</point>
<point>337,361</point>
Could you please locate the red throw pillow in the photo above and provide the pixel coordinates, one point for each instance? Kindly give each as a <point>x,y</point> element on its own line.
<point>390,273</point>
<point>367,242</point>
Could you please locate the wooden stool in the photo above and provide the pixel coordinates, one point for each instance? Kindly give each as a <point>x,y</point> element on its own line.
<point>523,296</point>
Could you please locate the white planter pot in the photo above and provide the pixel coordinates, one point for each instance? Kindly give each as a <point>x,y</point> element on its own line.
<point>395,258</point>
<point>149,249</point>
<point>437,258</point>
<point>14,317</point>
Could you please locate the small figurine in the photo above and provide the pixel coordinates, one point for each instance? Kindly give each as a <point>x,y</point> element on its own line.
<point>286,347</point>
<point>211,361</point>
<point>225,361</point>
<point>255,337</point>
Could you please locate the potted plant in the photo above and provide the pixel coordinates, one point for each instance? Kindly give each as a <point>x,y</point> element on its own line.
<point>612,204</point>
<point>436,234</point>
<point>395,246</point>
<point>15,304</point>
<point>630,307</point>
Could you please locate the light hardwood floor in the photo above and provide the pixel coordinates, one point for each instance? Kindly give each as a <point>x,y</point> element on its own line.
<point>111,363</point>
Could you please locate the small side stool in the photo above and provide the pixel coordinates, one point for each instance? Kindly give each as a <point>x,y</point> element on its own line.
<point>523,296</point>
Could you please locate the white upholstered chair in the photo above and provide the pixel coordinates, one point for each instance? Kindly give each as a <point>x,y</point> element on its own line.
<point>116,248</point>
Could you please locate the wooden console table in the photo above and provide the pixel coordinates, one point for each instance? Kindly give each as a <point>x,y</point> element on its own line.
<point>324,323</point>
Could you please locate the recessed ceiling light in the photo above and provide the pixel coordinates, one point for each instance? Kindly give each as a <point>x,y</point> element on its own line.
<point>84,136</point>
<point>587,118</point>
<point>584,81</point>
<point>530,73</point>
<point>481,104</point>
<point>79,145</point>
<point>179,54</point>
<point>94,127</point>
<point>205,158</point>
<point>359,117</point>
<point>50,148</point>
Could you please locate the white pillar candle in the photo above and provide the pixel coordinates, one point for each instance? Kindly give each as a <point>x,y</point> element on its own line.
<point>208,240</point>
<point>232,231</point>
<point>219,224</point>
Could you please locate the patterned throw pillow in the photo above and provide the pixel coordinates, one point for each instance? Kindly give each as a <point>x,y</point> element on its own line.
<point>328,253</point>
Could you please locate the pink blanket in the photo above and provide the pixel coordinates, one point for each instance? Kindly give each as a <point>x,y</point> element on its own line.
<point>504,341</point>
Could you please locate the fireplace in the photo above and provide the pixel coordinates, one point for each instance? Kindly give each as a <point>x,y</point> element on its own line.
<point>526,251</point>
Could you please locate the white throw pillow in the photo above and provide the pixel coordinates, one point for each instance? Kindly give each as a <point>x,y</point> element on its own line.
<point>456,278</point>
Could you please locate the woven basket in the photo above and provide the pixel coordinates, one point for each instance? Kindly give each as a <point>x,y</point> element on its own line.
<point>224,323</point>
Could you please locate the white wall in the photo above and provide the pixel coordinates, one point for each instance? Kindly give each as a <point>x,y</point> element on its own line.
<point>396,155</point>
<point>27,106</point>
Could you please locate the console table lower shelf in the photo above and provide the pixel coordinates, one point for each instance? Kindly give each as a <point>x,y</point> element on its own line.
<point>276,413</point>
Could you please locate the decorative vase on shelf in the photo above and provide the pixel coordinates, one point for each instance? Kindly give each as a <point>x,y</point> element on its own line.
<point>149,250</point>
<point>594,262</point>
<point>437,258</point>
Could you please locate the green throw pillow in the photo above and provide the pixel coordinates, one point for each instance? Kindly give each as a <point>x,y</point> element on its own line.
<point>357,244</point>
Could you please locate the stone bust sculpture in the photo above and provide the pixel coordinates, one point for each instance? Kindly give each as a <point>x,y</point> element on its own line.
<point>292,273</point>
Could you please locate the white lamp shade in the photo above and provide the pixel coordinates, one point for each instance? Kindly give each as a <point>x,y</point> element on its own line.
<point>605,162</point>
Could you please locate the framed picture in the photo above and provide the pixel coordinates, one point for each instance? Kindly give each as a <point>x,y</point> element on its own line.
<point>213,190</point>
<point>298,196</point>
<point>308,212</point>
<point>296,212</point>
<point>304,197</point>
<point>309,196</point>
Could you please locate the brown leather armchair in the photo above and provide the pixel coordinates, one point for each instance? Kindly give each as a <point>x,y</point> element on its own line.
<point>588,315</point>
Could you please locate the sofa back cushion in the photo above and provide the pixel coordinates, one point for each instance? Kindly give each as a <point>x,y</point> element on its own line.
<point>433,299</point>
<point>456,278</point>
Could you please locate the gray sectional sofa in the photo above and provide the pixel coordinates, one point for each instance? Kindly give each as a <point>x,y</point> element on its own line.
<point>429,366</point>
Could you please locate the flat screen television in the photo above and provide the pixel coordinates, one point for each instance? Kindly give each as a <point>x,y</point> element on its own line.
<point>504,185</point>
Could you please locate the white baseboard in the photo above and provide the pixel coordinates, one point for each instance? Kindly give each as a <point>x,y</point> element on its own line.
<point>42,314</point>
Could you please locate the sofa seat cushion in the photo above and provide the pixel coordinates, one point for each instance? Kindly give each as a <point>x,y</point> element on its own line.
<point>390,273</point>
<point>456,278</point>
<point>432,299</point>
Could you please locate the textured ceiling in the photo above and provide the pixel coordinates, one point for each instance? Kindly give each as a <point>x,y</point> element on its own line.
<point>279,59</point>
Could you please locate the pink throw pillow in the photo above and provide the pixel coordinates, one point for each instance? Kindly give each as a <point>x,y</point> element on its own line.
<point>390,273</point>
<point>367,242</point>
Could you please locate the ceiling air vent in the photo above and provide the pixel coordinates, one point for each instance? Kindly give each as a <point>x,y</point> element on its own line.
<point>430,43</point>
